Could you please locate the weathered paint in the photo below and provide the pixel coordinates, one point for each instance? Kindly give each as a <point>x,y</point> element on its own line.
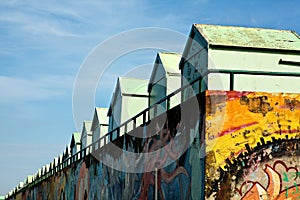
<point>248,148</point>
<point>252,142</point>
<point>235,36</point>
<point>90,179</point>
<point>232,48</point>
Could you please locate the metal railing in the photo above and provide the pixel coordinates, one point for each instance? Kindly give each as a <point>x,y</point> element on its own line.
<point>133,121</point>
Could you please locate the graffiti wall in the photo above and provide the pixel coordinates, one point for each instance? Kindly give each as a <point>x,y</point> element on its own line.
<point>252,145</point>
<point>241,145</point>
<point>89,178</point>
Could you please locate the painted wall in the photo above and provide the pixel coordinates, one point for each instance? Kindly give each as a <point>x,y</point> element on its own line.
<point>251,60</point>
<point>100,131</point>
<point>252,145</point>
<point>248,148</point>
<point>131,106</point>
<point>90,179</point>
<point>200,57</point>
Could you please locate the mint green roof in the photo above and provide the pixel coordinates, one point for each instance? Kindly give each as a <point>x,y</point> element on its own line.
<point>87,125</point>
<point>170,61</point>
<point>133,85</point>
<point>76,137</point>
<point>100,117</point>
<point>249,37</point>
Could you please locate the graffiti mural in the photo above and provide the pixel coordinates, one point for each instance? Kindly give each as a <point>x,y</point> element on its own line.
<point>252,142</point>
<point>244,145</point>
<point>89,178</point>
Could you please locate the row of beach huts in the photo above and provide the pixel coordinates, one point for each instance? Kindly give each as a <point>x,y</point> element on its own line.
<point>214,58</point>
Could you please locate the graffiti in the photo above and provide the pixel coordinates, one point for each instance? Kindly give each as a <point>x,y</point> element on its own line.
<point>291,104</point>
<point>89,178</point>
<point>257,104</point>
<point>240,144</point>
<point>274,189</point>
<point>248,148</point>
<point>82,183</point>
<point>158,161</point>
<point>253,174</point>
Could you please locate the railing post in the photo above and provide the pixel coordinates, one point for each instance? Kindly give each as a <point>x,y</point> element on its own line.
<point>156,186</point>
<point>134,123</point>
<point>168,103</point>
<point>110,135</point>
<point>144,117</point>
<point>118,132</point>
<point>231,81</point>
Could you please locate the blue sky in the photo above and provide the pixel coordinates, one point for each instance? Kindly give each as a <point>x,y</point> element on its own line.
<point>43,45</point>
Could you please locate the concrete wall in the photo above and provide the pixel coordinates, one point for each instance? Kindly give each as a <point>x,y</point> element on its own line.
<point>252,147</point>
<point>90,179</point>
<point>246,147</point>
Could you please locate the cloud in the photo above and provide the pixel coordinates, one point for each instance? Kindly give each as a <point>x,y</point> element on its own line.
<point>15,89</point>
<point>38,20</point>
<point>44,28</point>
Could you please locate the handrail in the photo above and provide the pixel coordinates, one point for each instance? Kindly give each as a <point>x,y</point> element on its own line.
<point>88,149</point>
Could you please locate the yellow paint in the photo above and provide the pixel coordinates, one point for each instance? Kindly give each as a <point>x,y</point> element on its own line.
<point>231,113</point>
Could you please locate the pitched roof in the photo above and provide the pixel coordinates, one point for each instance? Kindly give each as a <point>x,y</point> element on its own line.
<point>86,126</point>
<point>133,85</point>
<point>129,86</point>
<point>170,63</point>
<point>75,139</point>
<point>249,37</point>
<point>100,116</point>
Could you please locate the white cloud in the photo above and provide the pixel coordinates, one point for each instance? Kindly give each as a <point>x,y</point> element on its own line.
<point>44,28</point>
<point>22,90</point>
<point>33,20</point>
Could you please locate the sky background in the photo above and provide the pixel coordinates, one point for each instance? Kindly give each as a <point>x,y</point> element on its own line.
<point>44,43</point>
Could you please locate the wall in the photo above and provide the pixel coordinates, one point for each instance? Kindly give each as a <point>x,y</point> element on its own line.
<point>248,148</point>
<point>198,60</point>
<point>174,83</point>
<point>252,147</point>
<point>158,92</point>
<point>90,179</point>
<point>196,63</point>
<point>131,106</point>
<point>86,134</point>
<point>115,117</point>
<point>256,60</point>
